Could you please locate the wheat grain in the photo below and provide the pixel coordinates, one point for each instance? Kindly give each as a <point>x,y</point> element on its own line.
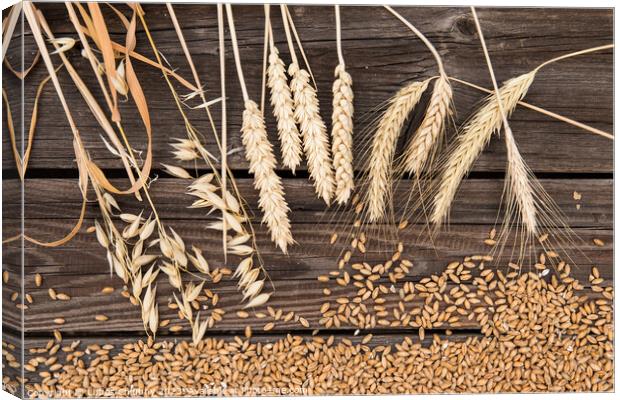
<point>472,140</point>
<point>282,102</point>
<point>314,132</point>
<point>342,131</point>
<point>384,146</point>
<point>38,280</point>
<point>424,144</point>
<point>501,304</point>
<point>262,164</point>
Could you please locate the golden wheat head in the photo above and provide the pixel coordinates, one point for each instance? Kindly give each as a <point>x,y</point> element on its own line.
<point>259,153</point>
<point>314,132</point>
<point>342,134</point>
<point>425,141</point>
<point>282,102</point>
<point>472,140</point>
<point>380,163</point>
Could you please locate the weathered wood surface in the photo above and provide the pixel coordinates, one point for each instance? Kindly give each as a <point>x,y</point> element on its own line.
<point>87,301</point>
<point>79,268</point>
<point>381,56</point>
<point>477,201</point>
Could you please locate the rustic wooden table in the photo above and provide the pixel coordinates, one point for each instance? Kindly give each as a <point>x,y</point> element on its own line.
<point>381,56</point>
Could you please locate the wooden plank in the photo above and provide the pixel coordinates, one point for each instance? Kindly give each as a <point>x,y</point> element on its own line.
<point>80,270</point>
<point>381,56</point>
<point>477,201</point>
<point>87,301</point>
<point>51,215</point>
<point>313,256</point>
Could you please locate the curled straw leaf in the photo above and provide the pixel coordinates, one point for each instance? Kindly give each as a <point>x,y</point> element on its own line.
<point>95,172</point>
<point>65,44</point>
<point>81,156</point>
<point>8,27</point>
<point>22,162</point>
<point>103,40</point>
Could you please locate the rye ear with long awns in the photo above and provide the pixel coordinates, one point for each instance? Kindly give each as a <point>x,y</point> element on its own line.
<point>424,145</point>
<point>383,147</point>
<point>472,140</point>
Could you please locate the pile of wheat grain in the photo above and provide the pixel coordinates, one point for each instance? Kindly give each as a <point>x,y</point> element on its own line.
<point>539,332</point>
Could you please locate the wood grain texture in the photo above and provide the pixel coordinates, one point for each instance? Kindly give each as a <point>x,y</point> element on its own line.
<point>477,201</point>
<point>79,268</point>
<point>87,301</point>
<point>381,56</point>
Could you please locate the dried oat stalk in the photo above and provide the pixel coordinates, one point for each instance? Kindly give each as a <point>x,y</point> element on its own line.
<point>210,192</point>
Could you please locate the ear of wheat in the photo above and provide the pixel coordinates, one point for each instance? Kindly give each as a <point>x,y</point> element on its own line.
<point>380,163</point>
<point>314,132</point>
<point>518,185</point>
<point>473,139</point>
<point>424,144</point>
<point>282,102</point>
<point>262,164</point>
<point>342,130</point>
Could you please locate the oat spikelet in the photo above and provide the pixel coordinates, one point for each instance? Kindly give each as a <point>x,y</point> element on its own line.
<point>262,164</point>
<point>282,102</point>
<point>342,130</point>
<point>314,132</point>
<point>424,144</point>
<point>473,139</point>
<point>384,147</point>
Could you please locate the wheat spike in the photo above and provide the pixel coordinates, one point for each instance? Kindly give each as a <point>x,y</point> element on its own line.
<point>262,164</point>
<point>473,139</point>
<point>518,184</point>
<point>384,147</point>
<point>342,130</point>
<point>424,144</point>
<point>282,102</point>
<point>314,132</point>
